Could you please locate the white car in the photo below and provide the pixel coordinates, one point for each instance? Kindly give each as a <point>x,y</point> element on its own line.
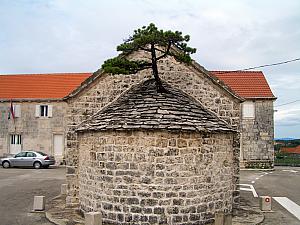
<point>28,159</point>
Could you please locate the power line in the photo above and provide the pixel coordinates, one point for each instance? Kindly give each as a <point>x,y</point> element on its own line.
<point>273,64</point>
<point>298,100</point>
<point>266,65</point>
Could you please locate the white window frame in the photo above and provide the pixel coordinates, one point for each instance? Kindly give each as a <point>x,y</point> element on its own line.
<point>40,111</point>
<point>17,111</point>
<point>248,110</point>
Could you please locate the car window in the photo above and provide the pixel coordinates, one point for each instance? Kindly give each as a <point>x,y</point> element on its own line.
<point>30,154</point>
<point>42,153</point>
<point>21,154</point>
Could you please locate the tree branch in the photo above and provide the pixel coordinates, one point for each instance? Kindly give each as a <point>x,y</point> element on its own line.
<point>166,52</point>
<point>144,68</point>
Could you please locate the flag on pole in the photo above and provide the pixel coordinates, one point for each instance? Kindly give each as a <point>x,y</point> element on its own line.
<point>11,110</point>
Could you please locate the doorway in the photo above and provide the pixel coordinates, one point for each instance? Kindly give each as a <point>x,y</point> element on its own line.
<point>58,145</point>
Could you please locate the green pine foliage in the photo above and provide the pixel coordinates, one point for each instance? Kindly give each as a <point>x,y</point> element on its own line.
<point>120,65</point>
<point>158,43</point>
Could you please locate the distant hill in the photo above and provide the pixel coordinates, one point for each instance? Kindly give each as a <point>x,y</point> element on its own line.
<point>285,139</point>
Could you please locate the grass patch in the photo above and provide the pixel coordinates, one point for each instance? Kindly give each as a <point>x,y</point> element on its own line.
<point>287,159</point>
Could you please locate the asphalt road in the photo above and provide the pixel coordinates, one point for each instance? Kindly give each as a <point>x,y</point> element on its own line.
<point>283,182</point>
<point>17,188</point>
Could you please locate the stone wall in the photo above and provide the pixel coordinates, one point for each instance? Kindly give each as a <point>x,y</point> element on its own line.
<point>108,87</point>
<point>156,177</point>
<point>37,132</point>
<point>257,140</point>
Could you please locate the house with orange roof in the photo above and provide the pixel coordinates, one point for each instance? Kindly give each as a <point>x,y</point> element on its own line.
<point>38,92</point>
<point>242,99</point>
<point>33,111</point>
<point>257,116</point>
<point>48,108</point>
<point>295,150</point>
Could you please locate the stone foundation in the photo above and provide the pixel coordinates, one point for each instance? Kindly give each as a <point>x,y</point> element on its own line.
<point>258,164</point>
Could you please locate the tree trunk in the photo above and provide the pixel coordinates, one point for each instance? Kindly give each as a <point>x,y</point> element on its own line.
<point>159,85</point>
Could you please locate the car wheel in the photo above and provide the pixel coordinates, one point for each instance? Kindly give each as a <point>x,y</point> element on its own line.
<point>37,165</point>
<point>6,164</point>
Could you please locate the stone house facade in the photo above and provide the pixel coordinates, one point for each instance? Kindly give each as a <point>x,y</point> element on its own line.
<point>156,158</point>
<point>39,112</point>
<point>32,129</point>
<point>101,89</point>
<point>257,130</point>
<point>257,117</point>
<point>216,91</point>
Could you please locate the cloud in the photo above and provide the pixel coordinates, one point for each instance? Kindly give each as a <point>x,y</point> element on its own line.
<point>76,36</point>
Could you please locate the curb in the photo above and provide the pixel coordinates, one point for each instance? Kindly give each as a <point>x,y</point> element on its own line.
<point>55,221</point>
<point>257,169</point>
<point>58,214</point>
<point>252,217</point>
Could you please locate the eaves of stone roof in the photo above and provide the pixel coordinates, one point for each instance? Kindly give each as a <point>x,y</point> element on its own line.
<point>142,107</point>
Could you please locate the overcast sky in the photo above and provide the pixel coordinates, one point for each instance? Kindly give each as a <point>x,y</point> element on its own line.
<point>39,36</point>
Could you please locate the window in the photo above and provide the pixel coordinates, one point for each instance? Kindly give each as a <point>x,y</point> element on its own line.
<point>15,143</point>
<point>21,154</point>
<point>248,110</point>
<point>15,139</point>
<point>30,154</point>
<point>43,111</point>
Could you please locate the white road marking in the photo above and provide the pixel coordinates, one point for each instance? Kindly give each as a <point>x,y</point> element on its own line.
<point>257,178</point>
<point>251,189</point>
<point>292,171</point>
<point>291,206</point>
<point>253,182</point>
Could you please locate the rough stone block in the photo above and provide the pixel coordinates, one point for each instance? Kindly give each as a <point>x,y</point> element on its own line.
<point>39,203</point>
<point>93,218</point>
<point>219,219</point>
<point>228,219</point>
<point>63,189</point>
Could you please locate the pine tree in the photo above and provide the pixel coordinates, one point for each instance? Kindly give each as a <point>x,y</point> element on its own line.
<point>158,43</point>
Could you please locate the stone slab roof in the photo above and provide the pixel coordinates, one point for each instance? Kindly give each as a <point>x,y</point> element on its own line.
<point>142,107</point>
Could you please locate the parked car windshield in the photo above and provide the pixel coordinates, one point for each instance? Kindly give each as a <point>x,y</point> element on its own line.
<point>42,153</point>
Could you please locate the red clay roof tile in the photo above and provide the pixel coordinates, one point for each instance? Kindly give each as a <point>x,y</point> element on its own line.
<point>40,86</point>
<point>247,84</point>
<point>291,149</point>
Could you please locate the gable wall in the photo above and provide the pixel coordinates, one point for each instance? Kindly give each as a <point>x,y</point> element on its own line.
<point>257,146</point>
<point>108,87</point>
